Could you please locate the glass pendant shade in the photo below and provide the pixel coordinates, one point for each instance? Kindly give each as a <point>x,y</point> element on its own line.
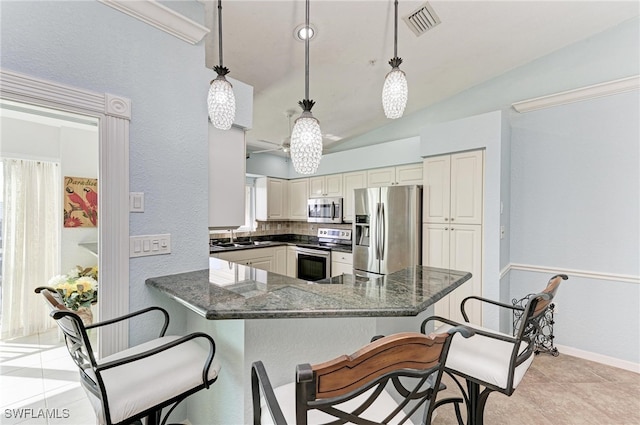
<point>221,103</point>
<point>394,93</point>
<point>306,144</point>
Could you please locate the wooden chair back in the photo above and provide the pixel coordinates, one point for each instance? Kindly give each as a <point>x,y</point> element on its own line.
<point>412,363</point>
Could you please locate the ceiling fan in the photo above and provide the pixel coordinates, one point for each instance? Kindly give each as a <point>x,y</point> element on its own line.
<point>285,146</point>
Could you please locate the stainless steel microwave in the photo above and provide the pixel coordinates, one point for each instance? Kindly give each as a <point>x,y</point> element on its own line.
<point>324,210</point>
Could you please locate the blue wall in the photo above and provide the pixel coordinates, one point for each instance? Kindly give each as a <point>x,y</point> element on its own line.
<point>92,46</point>
<point>576,206</point>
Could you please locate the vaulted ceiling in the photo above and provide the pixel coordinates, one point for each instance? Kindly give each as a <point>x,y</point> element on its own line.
<point>475,41</point>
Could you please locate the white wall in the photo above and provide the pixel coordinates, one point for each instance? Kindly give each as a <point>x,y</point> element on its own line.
<point>79,158</point>
<point>76,149</point>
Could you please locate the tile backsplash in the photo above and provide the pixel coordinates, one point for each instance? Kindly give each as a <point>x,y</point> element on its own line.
<point>268,228</point>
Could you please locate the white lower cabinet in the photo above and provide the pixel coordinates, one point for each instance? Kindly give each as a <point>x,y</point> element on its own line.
<point>292,262</point>
<point>341,263</point>
<point>280,260</point>
<point>259,258</point>
<point>457,247</point>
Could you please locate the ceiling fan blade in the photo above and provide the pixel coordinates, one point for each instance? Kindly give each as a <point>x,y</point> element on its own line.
<point>268,150</point>
<point>267,141</point>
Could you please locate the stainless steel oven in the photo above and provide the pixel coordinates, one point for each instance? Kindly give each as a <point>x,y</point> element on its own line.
<point>324,210</point>
<point>312,264</point>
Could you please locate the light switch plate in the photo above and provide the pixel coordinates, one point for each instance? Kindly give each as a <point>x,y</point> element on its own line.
<point>145,245</point>
<point>136,202</point>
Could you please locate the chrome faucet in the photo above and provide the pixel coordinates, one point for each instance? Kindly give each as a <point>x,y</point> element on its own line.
<point>231,239</point>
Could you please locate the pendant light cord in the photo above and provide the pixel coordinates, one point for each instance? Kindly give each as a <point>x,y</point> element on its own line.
<point>220,31</point>
<point>306,54</point>
<point>395,31</point>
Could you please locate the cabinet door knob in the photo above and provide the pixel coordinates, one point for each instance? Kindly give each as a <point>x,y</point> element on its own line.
<point>446,228</point>
<point>446,219</point>
<point>452,218</point>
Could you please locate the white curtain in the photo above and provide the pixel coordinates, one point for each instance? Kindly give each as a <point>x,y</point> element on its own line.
<point>31,243</point>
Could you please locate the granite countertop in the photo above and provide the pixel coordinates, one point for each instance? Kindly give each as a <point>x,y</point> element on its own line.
<point>275,240</point>
<point>229,290</point>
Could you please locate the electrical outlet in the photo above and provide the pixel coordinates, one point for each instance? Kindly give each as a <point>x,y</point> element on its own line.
<point>145,245</point>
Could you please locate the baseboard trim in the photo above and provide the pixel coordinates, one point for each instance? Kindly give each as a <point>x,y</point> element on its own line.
<point>572,272</point>
<point>599,358</point>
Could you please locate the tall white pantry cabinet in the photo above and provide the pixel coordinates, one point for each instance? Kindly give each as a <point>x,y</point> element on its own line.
<point>452,225</point>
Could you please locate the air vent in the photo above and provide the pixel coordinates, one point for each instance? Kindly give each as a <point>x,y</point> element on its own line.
<point>422,19</point>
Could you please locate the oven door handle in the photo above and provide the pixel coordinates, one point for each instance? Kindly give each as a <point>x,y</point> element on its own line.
<point>323,254</point>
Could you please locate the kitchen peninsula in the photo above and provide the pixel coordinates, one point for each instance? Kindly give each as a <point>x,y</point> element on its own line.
<point>258,315</point>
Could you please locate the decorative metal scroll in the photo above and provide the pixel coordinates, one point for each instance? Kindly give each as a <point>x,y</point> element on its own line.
<point>544,338</point>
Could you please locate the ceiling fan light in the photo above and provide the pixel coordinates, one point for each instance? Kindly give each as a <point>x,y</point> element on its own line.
<point>221,103</point>
<point>395,93</point>
<point>306,144</point>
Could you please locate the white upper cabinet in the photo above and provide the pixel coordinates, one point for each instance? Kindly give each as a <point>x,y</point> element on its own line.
<point>466,187</point>
<point>409,174</point>
<point>272,201</point>
<point>298,195</point>
<point>226,178</point>
<point>391,176</point>
<point>325,186</point>
<point>381,177</point>
<point>351,181</point>
<point>453,188</point>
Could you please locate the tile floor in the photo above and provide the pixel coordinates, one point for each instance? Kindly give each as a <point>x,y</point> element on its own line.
<point>39,379</point>
<point>37,375</point>
<point>560,391</point>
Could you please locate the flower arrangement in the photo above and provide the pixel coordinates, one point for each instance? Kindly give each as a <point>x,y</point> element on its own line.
<point>78,288</point>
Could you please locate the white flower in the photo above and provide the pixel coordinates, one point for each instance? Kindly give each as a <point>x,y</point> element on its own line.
<point>88,283</point>
<point>57,280</point>
<point>73,273</point>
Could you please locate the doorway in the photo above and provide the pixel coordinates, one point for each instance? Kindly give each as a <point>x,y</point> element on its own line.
<point>113,113</point>
<point>50,236</point>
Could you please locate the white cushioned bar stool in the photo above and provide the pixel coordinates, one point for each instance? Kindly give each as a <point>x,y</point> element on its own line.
<point>492,359</point>
<point>140,381</point>
<point>388,381</point>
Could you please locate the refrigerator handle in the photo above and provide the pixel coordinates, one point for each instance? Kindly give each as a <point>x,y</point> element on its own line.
<point>378,231</point>
<point>383,234</point>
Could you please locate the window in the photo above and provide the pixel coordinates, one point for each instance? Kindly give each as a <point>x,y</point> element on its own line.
<point>249,206</point>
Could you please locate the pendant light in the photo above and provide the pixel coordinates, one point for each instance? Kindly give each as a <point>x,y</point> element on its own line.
<point>395,90</point>
<point>221,101</point>
<point>306,137</point>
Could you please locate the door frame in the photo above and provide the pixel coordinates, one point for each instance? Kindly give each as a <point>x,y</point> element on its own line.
<point>114,115</point>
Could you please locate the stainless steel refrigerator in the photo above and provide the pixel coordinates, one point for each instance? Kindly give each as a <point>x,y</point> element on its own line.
<point>387,229</point>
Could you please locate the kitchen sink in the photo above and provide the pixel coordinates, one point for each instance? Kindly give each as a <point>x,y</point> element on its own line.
<point>241,244</point>
<point>250,243</point>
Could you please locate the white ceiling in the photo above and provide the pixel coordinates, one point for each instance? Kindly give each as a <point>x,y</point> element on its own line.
<point>476,41</point>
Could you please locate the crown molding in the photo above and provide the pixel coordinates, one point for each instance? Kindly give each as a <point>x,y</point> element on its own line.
<point>155,14</point>
<point>578,95</point>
